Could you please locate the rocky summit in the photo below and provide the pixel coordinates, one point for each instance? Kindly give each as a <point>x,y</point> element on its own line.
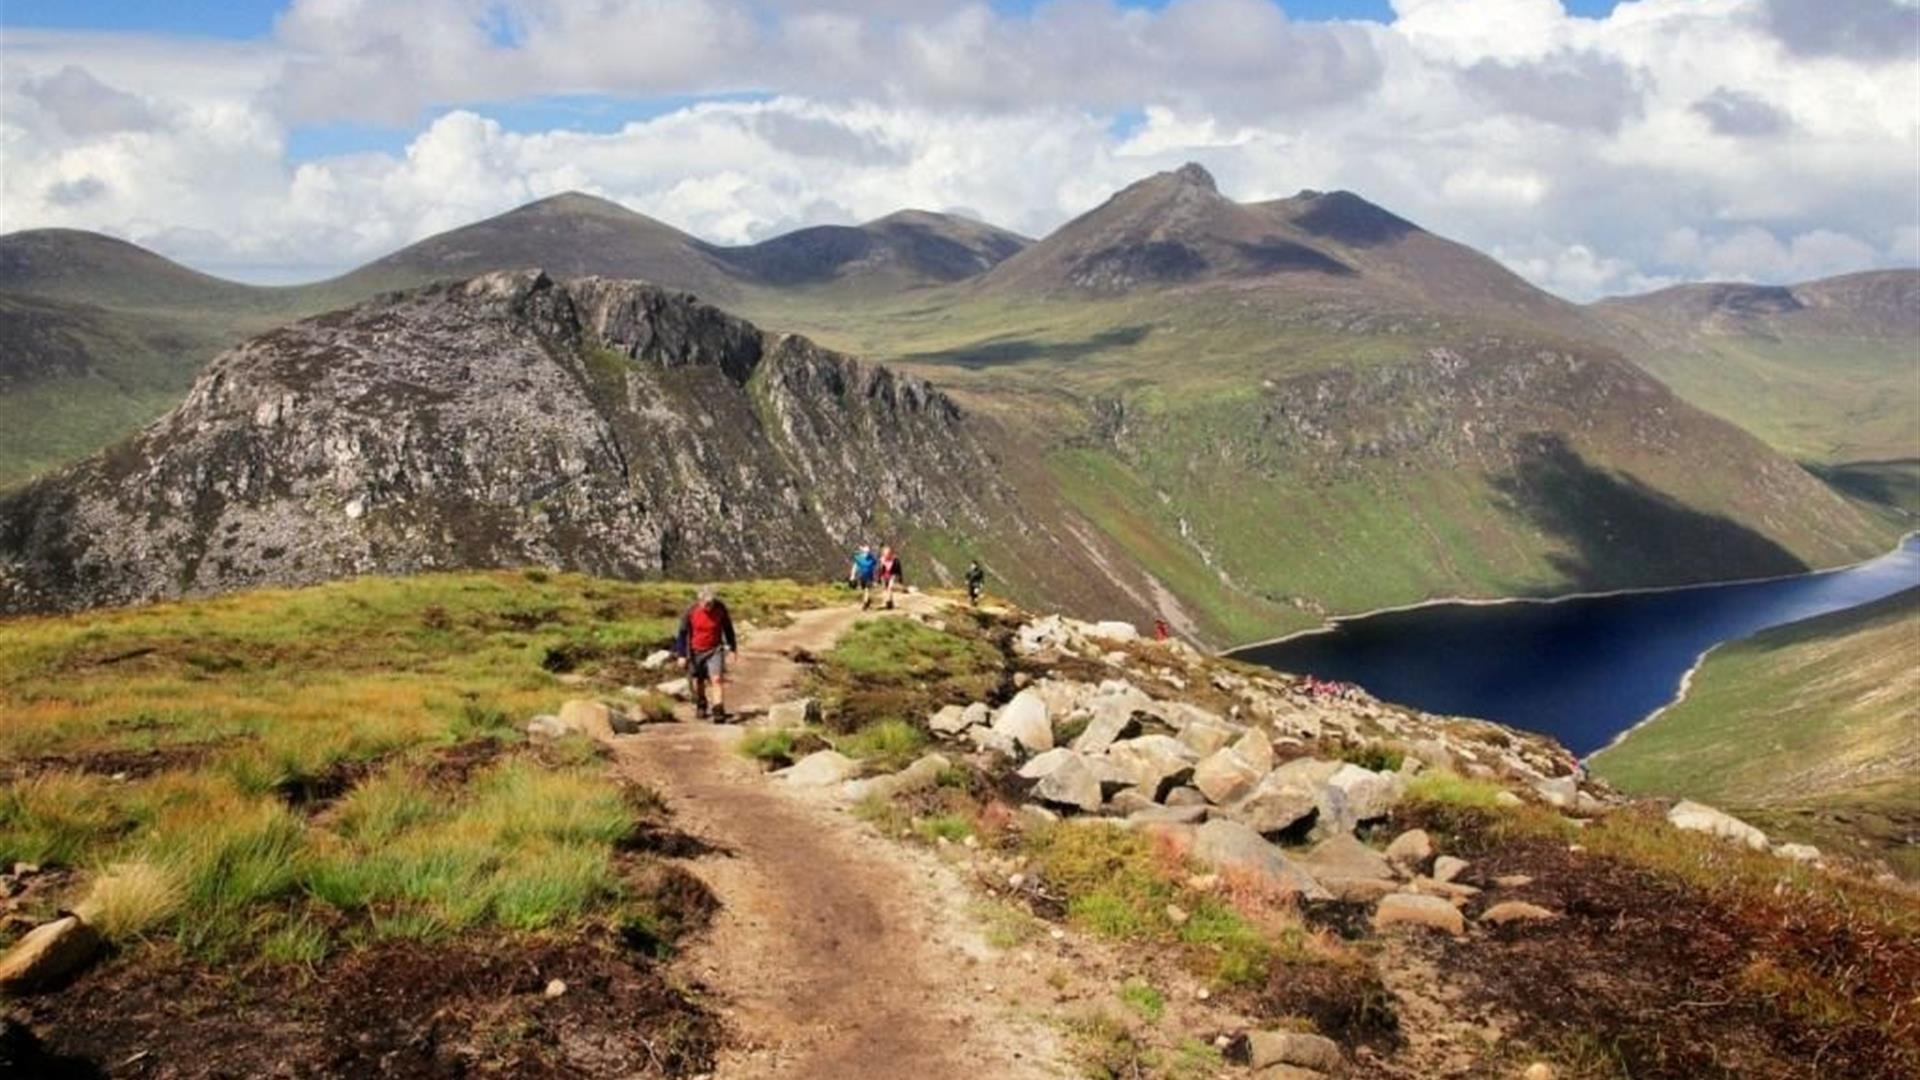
<point>608,426</point>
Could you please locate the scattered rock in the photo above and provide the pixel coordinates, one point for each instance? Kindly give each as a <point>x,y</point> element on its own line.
<point>1155,762</point>
<point>820,768</point>
<point>1560,792</point>
<point>1699,817</point>
<point>1043,765</point>
<point>545,727</point>
<point>1169,815</point>
<point>1513,881</point>
<point>1185,795</point>
<point>1515,911</point>
<point>1206,736</point>
<point>1113,719</point>
<point>1026,721</point>
<point>1447,867</point>
<point>1114,631</point>
<point>1266,1048</point>
<point>657,659</point>
<point>977,714</point>
<point>1273,806</point>
<point>1229,845</point>
<point>1225,777</point>
<point>1412,909</point>
<point>590,718</point>
<point>792,714</point>
<point>676,688</point>
<point>1366,796</point>
<point>1540,1070</point>
<point>1410,849</point>
<point>47,954</point>
<point>1071,783</point>
<point>1349,869</point>
<point>1508,799</point>
<point>924,773</point>
<point>556,988</point>
<point>1256,750</point>
<point>1803,853</point>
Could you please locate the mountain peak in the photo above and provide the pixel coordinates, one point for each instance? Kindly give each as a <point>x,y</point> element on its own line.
<point>576,202</point>
<point>1196,174</point>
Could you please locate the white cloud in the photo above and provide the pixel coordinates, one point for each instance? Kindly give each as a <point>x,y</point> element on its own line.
<point>1672,139</point>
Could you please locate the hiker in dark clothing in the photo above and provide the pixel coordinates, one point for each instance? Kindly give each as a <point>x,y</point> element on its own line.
<point>976,582</point>
<point>705,641</point>
<point>890,573</point>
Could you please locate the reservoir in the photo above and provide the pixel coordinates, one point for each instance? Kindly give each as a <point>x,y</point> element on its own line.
<point>1582,669</point>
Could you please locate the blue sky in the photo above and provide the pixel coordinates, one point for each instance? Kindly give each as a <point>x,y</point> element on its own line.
<point>254,18</point>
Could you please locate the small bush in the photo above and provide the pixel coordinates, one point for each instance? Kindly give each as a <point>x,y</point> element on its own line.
<point>130,898</point>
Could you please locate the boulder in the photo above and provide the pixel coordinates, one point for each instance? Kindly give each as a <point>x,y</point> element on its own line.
<point>977,714</point>
<point>1802,853</point>
<point>47,954</point>
<point>1559,792</point>
<point>1515,911</point>
<point>1699,817</point>
<point>1112,720</point>
<point>1410,849</point>
<point>675,688</point>
<point>590,718</point>
<point>792,714</point>
<point>1265,1048</point>
<point>1041,765</point>
<point>545,727</point>
<point>1155,762</point>
<point>1204,737</point>
<point>1224,777</point>
<point>1128,801</point>
<point>1451,890</point>
<point>1256,750</point>
<point>1307,773</point>
<point>1113,630</point>
<point>1229,845</point>
<point>1168,815</point>
<point>657,659</point>
<point>1508,799</point>
<point>1185,795</point>
<point>820,768</point>
<point>1409,909</point>
<point>949,720</point>
<point>988,741</point>
<point>924,773</point>
<point>1351,795</point>
<point>1349,869</point>
<point>1182,714</point>
<point>1071,783</point>
<point>1273,806</point>
<point>1026,720</point>
<point>1447,867</point>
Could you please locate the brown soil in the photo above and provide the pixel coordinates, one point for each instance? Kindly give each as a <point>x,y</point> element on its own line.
<point>835,956</point>
<point>397,1009</point>
<point>133,764</point>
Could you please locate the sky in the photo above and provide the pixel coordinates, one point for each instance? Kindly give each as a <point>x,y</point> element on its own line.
<point>1596,147</point>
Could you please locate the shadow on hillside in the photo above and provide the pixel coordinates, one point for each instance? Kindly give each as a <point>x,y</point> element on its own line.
<point>1002,352</point>
<point>1623,533</point>
<point>1893,484</point>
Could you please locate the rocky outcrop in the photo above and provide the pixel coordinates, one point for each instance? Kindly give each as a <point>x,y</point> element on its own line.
<point>605,426</point>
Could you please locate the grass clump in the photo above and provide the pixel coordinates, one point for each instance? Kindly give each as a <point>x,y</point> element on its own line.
<point>1379,757</point>
<point>889,668</point>
<point>128,899</point>
<point>886,744</point>
<point>1142,998</point>
<point>1451,789</point>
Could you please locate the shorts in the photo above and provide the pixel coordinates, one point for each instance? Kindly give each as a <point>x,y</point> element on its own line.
<point>865,581</point>
<point>711,664</point>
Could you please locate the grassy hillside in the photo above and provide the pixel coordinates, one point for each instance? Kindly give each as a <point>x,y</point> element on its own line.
<point>1811,730</point>
<point>1827,371</point>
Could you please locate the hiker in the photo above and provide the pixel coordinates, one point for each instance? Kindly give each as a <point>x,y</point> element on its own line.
<point>703,644</point>
<point>1160,630</point>
<point>865,566</point>
<point>890,573</point>
<point>976,582</point>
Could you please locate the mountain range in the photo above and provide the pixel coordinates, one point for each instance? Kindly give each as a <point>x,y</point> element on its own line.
<point>1238,416</point>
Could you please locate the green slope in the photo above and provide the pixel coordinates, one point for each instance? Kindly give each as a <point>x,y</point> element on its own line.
<point>1811,730</point>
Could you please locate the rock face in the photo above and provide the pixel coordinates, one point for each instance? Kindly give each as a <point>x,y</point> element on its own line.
<point>606,426</point>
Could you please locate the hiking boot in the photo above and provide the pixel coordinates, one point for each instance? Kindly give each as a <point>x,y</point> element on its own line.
<point>719,714</point>
<point>700,710</point>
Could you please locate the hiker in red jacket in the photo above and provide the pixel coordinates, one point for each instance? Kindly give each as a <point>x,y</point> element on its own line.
<point>890,573</point>
<point>703,644</point>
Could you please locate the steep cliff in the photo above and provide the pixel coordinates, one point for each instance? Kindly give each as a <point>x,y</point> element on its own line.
<point>608,426</point>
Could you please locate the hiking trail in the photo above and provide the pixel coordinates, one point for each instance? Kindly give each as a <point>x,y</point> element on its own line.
<point>833,955</point>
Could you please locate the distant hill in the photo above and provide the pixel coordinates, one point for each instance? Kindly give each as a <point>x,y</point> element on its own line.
<point>86,267</point>
<point>1812,729</point>
<point>1827,371</point>
<point>907,249</point>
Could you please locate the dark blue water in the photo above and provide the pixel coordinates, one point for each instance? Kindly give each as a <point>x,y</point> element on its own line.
<point>1583,669</point>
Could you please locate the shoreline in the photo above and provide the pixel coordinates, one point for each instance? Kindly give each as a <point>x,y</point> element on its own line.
<point>1679,695</point>
<point>1334,623</point>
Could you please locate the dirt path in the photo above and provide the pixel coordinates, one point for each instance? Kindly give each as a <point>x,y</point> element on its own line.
<point>833,955</point>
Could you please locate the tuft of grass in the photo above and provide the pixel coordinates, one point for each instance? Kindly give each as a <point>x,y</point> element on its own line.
<point>1380,757</point>
<point>888,668</point>
<point>128,899</point>
<point>769,745</point>
<point>1452,789</point>
<point>949,827</point>
<point>886,744</point>
<point>57,819</point>
<point>300,941</point>
<point>1142,998</point>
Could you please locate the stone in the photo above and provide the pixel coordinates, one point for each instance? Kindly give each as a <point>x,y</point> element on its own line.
<point>1168,815</point>
<point>1508,911</point>
<point>1308,773</point>
<point>1224,777</point>
<point>987,740</point>
<point>949,720</point>
<point>47,954</point>
<point>792,714</point>
<point>1273,806</point>
<point>924,773</point>
<point>1042,765</point>
<point>1348,868</point>
<point>1699,817</point>
<point>1114,630</point>
<point>1231,846</point>
<point>545,727</point>
<point>1155,762</point>
<point>1185,795</point>
<point>1289,1072</point>
<point>1112,720</point>
<point>1256,750</point>
<point>1540,1070</point>
<point>1508,799</point>
<point>820,768</point>
<point>676,688</point>
<point>1071,783</point>
<point>556,988</point>
<point>1560,792</point>
<point>1369,795</point>
<point>1448,867</point>
<point>1206,736</point>
<point>1802,853</point>
<point>1410,909</point>
<point>590,718</point>
<point>657,659</point>
<point>1026,720</point>
<point>1451,890</point>
<point>1410,849</point>
<point>1513,881</point>
<point>1266,1048</point>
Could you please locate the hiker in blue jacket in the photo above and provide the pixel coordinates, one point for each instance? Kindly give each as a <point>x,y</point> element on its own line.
<point>866,568</point>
